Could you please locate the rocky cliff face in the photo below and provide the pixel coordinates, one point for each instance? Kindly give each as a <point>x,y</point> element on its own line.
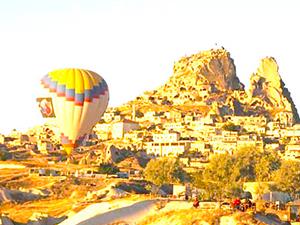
<point>195,78</point>
<point>214,67</point>
<point>268,91</point>
<point>209,79</point>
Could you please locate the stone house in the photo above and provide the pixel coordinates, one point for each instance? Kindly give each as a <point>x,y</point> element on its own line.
<point>172,149</point>
<point>149,115</point>
<point>173,126</point>
<point>254,129</point>
<point>284,118</point>
<point>173,115</point>
<point>108,116</point>
<point>247,120</point>
<point>292,132</point>
<point>188,119</point>
<point>292,151</point>
<point>122,127</point>
<point>134,135</point>
<point>200,146</point>
<point>166,137</point>
<point>248,140</point>
<point>44,147</point>
<point>103,131</point>
<point>222,147</point>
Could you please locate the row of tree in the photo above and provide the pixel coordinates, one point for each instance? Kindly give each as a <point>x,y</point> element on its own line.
<point>225,174</point>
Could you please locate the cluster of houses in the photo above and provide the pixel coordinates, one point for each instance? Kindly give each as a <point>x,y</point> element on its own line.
<point>191,136</point>
<point>195,136</point>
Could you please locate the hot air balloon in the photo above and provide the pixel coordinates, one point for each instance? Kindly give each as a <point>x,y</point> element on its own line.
<point>79,99</point>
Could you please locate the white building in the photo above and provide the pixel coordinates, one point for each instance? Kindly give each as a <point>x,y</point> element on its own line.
<point>243,120</point>
<point>149,115</point>
<point>122,127</point>
<point>166,137</point>
<point>200,146</point>
<point>249,140</point>
<point>175,116</point>
<point>172,149</point>
<point>44,147</point>
<point>108,116</point>
<point>254,128</point>
<point>291,132</point>
<point>188,118</point>
<point>292,151</point>
<point>173,126</point>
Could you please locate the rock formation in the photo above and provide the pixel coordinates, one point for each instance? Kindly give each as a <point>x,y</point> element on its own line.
<point>198,76</point>
<point>208,79</point>
<point>268,91</point>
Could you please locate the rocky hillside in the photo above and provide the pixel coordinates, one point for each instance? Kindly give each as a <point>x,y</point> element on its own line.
<point>207,82</point>
<point>268,91</point>
<point>196,77</point>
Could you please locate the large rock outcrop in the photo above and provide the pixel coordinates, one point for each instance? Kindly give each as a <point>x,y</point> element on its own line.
<point>207,81</point>
<point>195,78</point>
<point>213,67</point>
<point>268,91</point>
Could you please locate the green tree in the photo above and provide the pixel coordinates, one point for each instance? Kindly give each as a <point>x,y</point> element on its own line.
<point>219,179</point>
<point>245,160</point>
<point>256,165</point>
<point>231,127</point>
<point>287,177</point>
<point>4,155</point>
<point>265,165</point>
<point>139,114</point>
<point>225,173</point>
<point>108,168</point>
<point>164,170</point>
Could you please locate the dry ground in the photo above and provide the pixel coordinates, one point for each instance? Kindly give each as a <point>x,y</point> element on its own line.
<point>67,194</point>
<point>199,217</point>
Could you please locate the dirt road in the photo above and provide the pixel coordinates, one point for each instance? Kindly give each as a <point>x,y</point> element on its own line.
<point>131,214</point>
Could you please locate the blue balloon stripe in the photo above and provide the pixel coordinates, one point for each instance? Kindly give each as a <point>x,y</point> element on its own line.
<point>88,95</point>
<point>96,91</point>
<point>47,81</point>
<point>52,86</point>
<point>61,90</point>
<point>79,99</point>
<point>71,95</point>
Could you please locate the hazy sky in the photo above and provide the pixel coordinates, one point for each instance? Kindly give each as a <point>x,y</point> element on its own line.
<point>134,43</point>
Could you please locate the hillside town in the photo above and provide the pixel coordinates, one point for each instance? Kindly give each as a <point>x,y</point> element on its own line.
<point>191,137</point>
<point>201,114</point>
<point>198,113</point>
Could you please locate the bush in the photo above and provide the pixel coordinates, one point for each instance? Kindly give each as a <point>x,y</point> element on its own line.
<point>164,171</point>
<point>4,155</point>
<point>108,168</point>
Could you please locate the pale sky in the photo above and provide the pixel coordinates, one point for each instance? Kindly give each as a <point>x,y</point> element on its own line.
<point>133,44</point>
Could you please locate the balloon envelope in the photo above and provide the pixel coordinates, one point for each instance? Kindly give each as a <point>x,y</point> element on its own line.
<point>79,98</point>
